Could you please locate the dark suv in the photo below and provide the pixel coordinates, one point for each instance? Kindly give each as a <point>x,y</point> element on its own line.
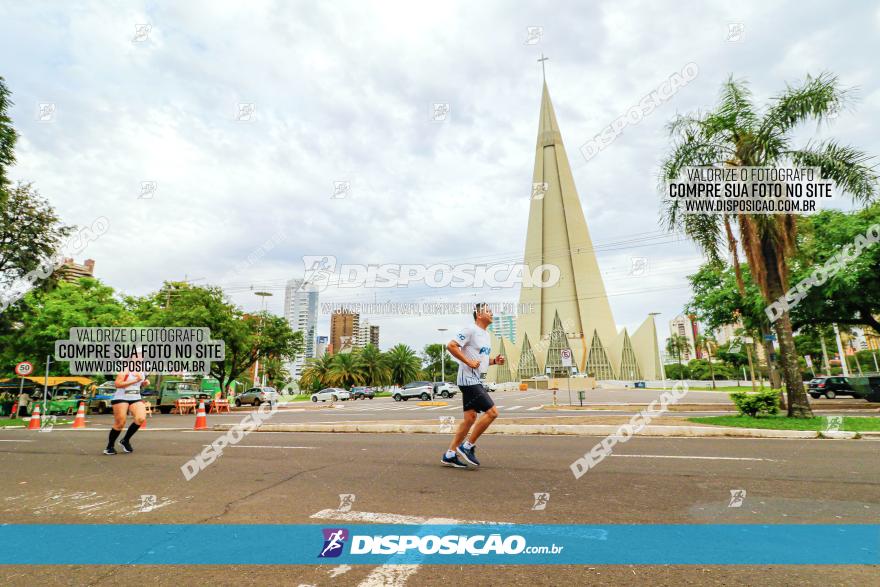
<point>362,393</point>
<point>830,387</point>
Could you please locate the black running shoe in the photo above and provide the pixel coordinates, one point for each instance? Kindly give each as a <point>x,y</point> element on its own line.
<point>468,454</point>
<point>110,451</point>
<point>453,461</point>
<point>126,445</point>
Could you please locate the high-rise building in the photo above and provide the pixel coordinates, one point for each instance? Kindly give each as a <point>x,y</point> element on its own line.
<point>374,335</point>
<point>321,346</point>
<point>504,325</point>
<point>71,271</point>
<point>301,312</point>
<point>571,313</point>
<point>344,330</point>
<point>681,325</point>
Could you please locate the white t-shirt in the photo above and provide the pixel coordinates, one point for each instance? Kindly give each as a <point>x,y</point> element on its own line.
<point>475,344</point>
<point>132,392</point>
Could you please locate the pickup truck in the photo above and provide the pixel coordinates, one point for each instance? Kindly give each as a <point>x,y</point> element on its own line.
<point>171,391</point>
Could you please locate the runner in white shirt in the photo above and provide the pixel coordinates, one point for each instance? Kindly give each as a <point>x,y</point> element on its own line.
<point>471,347</point>
<point>127,399</point>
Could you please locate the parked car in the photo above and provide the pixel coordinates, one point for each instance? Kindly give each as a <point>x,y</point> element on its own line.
<point>331,394</point>
<point>445,389</point>
<point>362,393</point>
<point>867,388</point>
<point>417,389</point>
<point>258,395</point>
<point>100,399</point>
<point>830,387</point>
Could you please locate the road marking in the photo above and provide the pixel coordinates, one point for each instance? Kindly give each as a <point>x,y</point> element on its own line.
<point>263,446</point>
<point>535,408</point>
<point>389,575</point>
<point>440,408</point>
<point>16,440</point>
<point>382,518</point>
<point>510,409</point>
<point>696,458</point>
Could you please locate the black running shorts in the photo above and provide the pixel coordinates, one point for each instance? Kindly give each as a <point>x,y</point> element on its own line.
<point>113,402</point>
<point>476,397</point>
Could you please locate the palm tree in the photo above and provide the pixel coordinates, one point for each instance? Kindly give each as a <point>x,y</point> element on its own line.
<point>404,364</point>
<point>735,134</point>
<point>705,342</point>
<point>344,370</point>
<point>316,373</point>
<point>373,366</point>
<point>675,345</point>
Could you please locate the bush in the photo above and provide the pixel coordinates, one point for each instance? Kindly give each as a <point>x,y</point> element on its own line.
<point>755,404</point>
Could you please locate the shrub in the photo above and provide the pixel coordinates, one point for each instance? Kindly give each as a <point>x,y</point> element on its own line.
<point>755,404</point>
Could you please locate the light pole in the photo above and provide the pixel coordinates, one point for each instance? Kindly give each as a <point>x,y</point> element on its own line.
<point>843,364</point>
<point>442,357</point>
<point>263,295</point>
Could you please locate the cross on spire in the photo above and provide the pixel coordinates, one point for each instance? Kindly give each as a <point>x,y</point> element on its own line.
<point>541,61</point>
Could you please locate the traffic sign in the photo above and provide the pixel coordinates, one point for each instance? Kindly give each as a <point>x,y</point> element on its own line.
<point>565,355</point>
<point>24,368</point>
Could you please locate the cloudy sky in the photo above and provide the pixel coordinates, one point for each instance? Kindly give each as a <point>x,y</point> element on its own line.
<point>111,95</point>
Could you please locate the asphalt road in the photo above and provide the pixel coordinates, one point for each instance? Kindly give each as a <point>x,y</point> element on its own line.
<point>61,477</point>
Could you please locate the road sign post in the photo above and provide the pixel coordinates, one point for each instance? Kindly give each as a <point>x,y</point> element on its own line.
<point>23,369</point>
<point>565,356</point>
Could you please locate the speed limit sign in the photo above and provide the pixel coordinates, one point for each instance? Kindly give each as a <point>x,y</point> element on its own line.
<point>565,355</point>
<point>24,368</point>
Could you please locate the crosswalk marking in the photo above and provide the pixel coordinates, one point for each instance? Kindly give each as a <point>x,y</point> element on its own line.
<point>510,409</point>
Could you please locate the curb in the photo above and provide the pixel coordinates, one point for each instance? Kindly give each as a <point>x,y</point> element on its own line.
<point>552,430</point>
<point>432,404</point>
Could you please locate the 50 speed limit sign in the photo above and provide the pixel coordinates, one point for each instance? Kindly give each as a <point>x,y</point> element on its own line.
<point>565,355</point>
<point>24,368</point>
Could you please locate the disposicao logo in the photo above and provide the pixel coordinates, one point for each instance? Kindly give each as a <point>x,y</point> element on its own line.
<point>334,540</point>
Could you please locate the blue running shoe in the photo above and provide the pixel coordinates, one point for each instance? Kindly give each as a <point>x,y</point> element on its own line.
<point>468,454</point>
<point>453,461</point>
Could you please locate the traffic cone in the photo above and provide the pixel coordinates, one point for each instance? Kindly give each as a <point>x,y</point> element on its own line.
<point>34,423</point>
<point>201,418</point>
<point>80,420</point>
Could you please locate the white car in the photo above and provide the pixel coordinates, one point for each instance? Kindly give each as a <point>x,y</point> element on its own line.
<point>331,394</point>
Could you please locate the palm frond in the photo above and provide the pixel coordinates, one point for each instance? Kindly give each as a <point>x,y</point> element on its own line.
<point>816,98</point>
<point>846,165</point>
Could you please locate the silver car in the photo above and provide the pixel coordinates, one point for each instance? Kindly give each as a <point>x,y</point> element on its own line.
<point>331,394</point>
<point>258,395</point>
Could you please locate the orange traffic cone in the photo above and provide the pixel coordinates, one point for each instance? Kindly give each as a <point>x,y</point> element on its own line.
<point>80,420</point>
<point>34,423</point>
<point>201,418</point>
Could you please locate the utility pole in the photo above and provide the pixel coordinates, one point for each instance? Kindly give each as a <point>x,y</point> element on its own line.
<point>442,357</point>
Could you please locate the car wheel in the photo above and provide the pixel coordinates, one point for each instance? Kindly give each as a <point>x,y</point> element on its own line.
<point>397,397</point>
<point>333,398</point>
<point>257,403</point>
<point>314,398</point>
<point>237,403</point>
<point>830,394</point>
<point>425,397</point>
<point>444,394</point>
<point>406,398</point>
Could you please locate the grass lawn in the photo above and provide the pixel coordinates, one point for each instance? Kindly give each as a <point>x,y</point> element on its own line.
<point>850,424</point>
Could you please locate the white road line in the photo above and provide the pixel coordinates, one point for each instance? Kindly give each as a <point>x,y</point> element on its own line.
<point>696,458</point>
<point>263,446</point>
<point>438,408</point>
<point>512,408</point>
<point>535,408</point>
<point>16,440</point>
<point>382,518</point>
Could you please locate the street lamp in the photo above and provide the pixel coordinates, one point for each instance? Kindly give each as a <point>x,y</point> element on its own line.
<point>263,295</point>
<point>442,357</point>
<point>659,356</point>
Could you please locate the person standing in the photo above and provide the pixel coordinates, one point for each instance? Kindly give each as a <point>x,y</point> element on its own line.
<point>470,348</point>
<point>24,400</point>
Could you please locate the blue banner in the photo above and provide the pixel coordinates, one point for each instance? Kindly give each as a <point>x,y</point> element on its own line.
<point>377,544</point>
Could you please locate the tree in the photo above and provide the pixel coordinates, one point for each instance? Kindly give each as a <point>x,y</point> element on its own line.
<point>277,375</point>
<point>316,373</point>
<point>850,297</point>
<point>404,364</point>
<point>373,366</point>
<point>8,136</point>
<point>42,317</point>
<point>705,342</point>
<point>735,134</point>
<point>246,336</point>
<point>676,344</point>
<point>344,371</point>
<point>435,362</point>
